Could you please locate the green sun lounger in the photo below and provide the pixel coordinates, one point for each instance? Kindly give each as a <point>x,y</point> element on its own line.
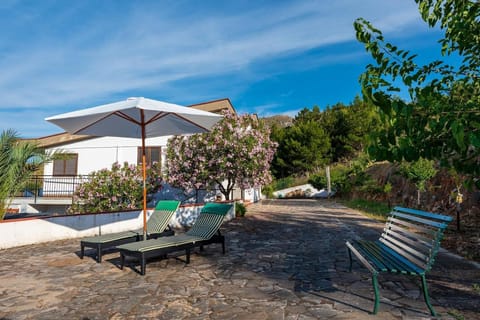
<point>204,231</point>
<point>157,226</point>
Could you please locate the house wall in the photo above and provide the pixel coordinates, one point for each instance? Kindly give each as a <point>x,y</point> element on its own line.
<point>99,153</point>
<point>19,232</point>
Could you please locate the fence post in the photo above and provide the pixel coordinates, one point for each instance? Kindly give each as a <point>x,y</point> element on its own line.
<point>35,191</point>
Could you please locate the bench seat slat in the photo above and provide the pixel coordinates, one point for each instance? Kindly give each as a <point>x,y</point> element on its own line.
<point>404,254</point>
<point>369,250</point>
<point>410,267</point>
<point>383,259</point>
<point>393,264</point>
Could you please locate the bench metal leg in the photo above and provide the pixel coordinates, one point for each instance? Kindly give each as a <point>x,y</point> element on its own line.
<point>350,257</point>
<point>425,295</point>
<point>377,295</point>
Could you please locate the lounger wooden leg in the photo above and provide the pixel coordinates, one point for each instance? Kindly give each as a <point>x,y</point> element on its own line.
<point>143,265</point>
<point>122,260</point>
<point>82,250</point>
<point>425,296</point>
<point>99,253</point>
<point>188,255</point>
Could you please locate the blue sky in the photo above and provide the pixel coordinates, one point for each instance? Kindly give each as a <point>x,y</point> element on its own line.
<point>268,57</point>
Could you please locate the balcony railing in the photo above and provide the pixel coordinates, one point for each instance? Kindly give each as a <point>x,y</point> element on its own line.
<point>52,186</point>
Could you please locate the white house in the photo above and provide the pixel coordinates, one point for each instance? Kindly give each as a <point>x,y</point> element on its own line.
<point>86,154</point>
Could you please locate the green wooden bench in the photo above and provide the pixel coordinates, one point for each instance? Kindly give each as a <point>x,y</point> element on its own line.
<point>408,245</point>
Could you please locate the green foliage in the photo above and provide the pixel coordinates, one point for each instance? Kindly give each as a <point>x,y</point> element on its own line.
<point>317,137</point>
<point>19,160</point>
<point>476,288</point>
<point>240,209</point>
<point>339,178</point>
<point>373,209</point>
<point>268,191</point>
<point>283,183</point>
<point>302,147</point>
<point>419,172</point>
<point>457,315</point>
<point>443,120</point>
<point>115,189</point>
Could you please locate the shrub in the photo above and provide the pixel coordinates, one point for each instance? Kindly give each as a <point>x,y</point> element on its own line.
<point>240,209</point>
<point>119,188</point>
<point>268,191</point>
<point>339,179</point>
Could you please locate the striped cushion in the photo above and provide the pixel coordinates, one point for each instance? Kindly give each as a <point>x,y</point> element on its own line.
<point>157,223</point>
<point>206,225</point>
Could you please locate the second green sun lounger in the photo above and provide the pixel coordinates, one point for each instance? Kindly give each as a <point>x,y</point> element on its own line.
<point>157,226</point>
<point>204,231</point>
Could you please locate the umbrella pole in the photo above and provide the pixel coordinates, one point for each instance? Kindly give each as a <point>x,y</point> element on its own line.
<point>144,199</point>
<point>144,167</point>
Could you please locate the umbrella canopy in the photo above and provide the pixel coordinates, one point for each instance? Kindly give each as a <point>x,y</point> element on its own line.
<point>136,118</point>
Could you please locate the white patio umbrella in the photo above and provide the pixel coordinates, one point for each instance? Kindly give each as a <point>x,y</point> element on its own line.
<point>137,118</point>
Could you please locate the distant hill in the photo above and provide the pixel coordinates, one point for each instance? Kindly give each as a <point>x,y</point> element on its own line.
<point>280,120</point>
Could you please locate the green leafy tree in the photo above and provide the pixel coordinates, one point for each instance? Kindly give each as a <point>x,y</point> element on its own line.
<point>442,121</point>
<point>420,172</point>
<point>19,160</point>
<point>302,147</point>
<point>236,152</point>
<point>337,134</point>
<point>348,127</point>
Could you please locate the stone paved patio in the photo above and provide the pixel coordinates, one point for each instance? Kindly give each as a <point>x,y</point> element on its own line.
<point>285,260</point>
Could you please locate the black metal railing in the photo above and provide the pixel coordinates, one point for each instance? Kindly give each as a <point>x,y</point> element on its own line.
<point>52,186</point>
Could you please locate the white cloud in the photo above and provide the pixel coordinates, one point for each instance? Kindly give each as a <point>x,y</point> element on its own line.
<point>64,60</point>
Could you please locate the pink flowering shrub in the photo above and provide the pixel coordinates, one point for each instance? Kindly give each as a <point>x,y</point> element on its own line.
<point>236,152</point>
<point>119,188</point>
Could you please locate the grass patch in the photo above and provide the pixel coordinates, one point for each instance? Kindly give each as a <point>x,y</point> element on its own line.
<point>476,288</point>
<point>456,314</point>
<point>372,209</point>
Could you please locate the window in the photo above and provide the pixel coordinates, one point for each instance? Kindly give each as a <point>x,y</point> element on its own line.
<point>152,154</point>
<point>66,166</point>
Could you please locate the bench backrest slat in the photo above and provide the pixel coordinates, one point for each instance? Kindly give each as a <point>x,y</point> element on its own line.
<point>425,214</point>
<point>427,222</point>
<point>429,232</point>
<point>419,248</point>
<point>414,235</point>
<point>405,252</point>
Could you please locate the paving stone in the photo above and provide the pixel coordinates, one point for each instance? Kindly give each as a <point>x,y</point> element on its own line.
<point>285,260</point>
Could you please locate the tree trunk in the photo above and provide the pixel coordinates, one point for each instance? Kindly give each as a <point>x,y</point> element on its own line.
<point>226,194</point>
